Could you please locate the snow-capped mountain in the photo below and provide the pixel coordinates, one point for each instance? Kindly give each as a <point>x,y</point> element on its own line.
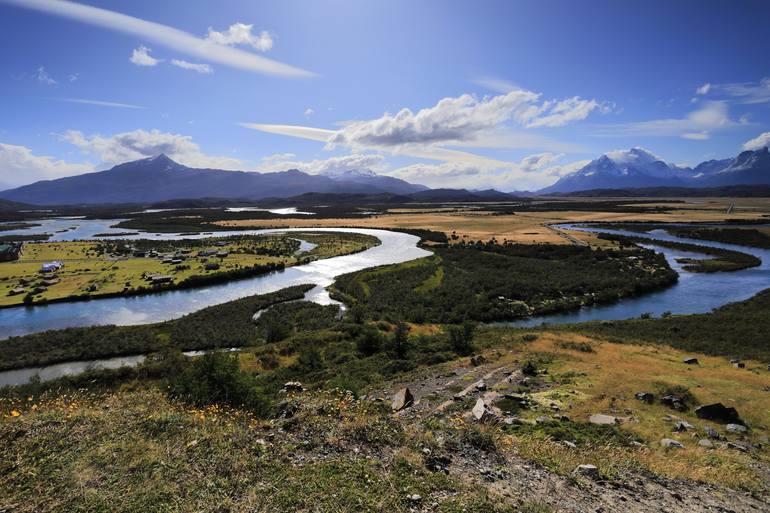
<point>637,167</point>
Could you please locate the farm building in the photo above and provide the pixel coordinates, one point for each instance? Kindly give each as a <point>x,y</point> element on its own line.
<point>51,267</point>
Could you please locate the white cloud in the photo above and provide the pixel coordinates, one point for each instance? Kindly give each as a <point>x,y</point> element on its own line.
<point>699,124</point>
<point>704,89</point>
<point>100,103</point>
<point>169,37</point>
<point>43,77</point>
<point>240,34</point>
<point>309,112</point>
<point>137,144</point>
<point>141,57</point>
<point>20,166</point>
<point>199,68</point>
<point>330,167</point>
<point>744,92</point>
<point>555,114</point>
<point>73,77</point>
<point>496,84</point>
<point>759,142</point>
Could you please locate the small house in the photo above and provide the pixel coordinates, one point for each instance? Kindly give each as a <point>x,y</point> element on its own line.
<point>51,267</point>
<point>211,266</point>
<point>222,254</point>
<point>160,279</point>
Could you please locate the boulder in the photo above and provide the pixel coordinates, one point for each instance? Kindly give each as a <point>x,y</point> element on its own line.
<point>712,433</point>
<point>736,428</point>
<point>483,413</point>
<point>673,401</point>
<point>645,397</point>
<point>739,365</point>
<point>691,361</point>
<point>682,426</point>
<point>718,412</point>
<point>739,446</point>
<point>480,385</point>
<point>603,420</point>
<point>706,443</point>
<point>402,399</point>
<point>668,443</point>
<point>292,386</point>
<point>478,360</point>
<point>586,470</point>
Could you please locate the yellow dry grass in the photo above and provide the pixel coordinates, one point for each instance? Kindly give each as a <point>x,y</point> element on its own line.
<point>529,227</point>
<point>605,381</point>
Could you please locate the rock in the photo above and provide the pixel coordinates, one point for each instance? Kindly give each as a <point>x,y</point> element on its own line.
<point>712,433</point>
<point>521,400</point>
<point>739,365</point>
<point>691,361</point>
<point>292,386</point>
<point>603,420</point>
<point>569,444</point>
<point>673,401</point>
<point>682,426</point>
<point>481,412</point>
<point>718,412</point>
<point>736,428</point>
<point>415,497</point>
<point>480,385</point>
<point>402,399</point>
<point>668,443</point>
<point>478,360</point>
<point>705,442</point>
<point>739,446</point>
<point>589,471</point>
<point>645,397</point>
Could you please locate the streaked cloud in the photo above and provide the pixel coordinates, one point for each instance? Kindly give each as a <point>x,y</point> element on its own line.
<point>749,93</point>
<point>759,142</point>
<point>100,103</point>
<point>137,144</point>
<point>704,89</point>
<point>240,34</point>
<point>331,167</point>
<point>141,57</point>
<point>165,35</point>
<point>698,124</point>
<point>199,68</point>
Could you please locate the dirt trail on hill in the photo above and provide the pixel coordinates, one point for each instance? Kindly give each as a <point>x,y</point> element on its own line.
<point>453,391</point>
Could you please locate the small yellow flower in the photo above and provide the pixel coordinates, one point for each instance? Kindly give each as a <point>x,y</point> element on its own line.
<point>15,413</point>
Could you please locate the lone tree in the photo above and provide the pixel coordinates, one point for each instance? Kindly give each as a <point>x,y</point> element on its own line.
<point>461,338</point>
<point>401,340</point>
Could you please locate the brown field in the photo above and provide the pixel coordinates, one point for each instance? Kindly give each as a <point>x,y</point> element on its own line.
<point>530,227</point>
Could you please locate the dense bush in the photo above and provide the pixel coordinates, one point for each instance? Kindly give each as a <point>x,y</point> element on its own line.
<point>488,282</point>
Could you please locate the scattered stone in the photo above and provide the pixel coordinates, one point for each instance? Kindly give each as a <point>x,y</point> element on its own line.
<point>712,433</point>
<point>569,444</point>
<point>402,399</point>
<point>739,446</point>
<point>705,442</point>
<point>480,385</point>
<point>668,443</point>
<point>589,471</point>
<point>739,365</point>
<point>543,419</point>
<point>521,400</point>
<point>645,397</point>
<point>603,420</point>
<point>682,426</point>
<point>478,360</point>
<point>673,401</point>
<point>691,361</point>
<point>415,497</point>
<point>736,428</point>
<point>718,412</point>
<point>481,412</point>
<point>292,386</point>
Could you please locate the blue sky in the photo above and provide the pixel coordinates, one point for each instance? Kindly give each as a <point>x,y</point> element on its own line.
<point>443,92</point>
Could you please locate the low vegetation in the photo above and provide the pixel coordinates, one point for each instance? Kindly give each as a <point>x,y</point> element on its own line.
<point>490,282</point>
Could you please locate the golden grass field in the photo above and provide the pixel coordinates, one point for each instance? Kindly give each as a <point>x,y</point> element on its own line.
<point>605,381</point>
<point>529,227</point>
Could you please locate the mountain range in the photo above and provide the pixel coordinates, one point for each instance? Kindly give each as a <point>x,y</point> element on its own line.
<point>638,168</point>
<point>160,178</point>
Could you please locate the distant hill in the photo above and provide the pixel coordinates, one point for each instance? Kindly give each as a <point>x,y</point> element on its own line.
<point>734,191</point>
<point>160,178</point>
<point>639,169</point>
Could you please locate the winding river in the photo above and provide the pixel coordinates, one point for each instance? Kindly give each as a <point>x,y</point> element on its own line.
<point>693,293</point>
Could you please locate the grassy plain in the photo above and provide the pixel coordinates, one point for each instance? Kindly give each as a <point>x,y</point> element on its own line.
<point>529,226</point>
<point>88,269</point>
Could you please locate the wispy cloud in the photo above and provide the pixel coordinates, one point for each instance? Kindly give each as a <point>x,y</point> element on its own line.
<point>699,124</point>
<point>141,57</point>
<point>750,93</point>
<point>165,35</point>
<point>100,103</point>
<point>240,34</point>
<point>21,166</point>
<point>199,68</point>
<point>44,77</point>
<point>497,85</point>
